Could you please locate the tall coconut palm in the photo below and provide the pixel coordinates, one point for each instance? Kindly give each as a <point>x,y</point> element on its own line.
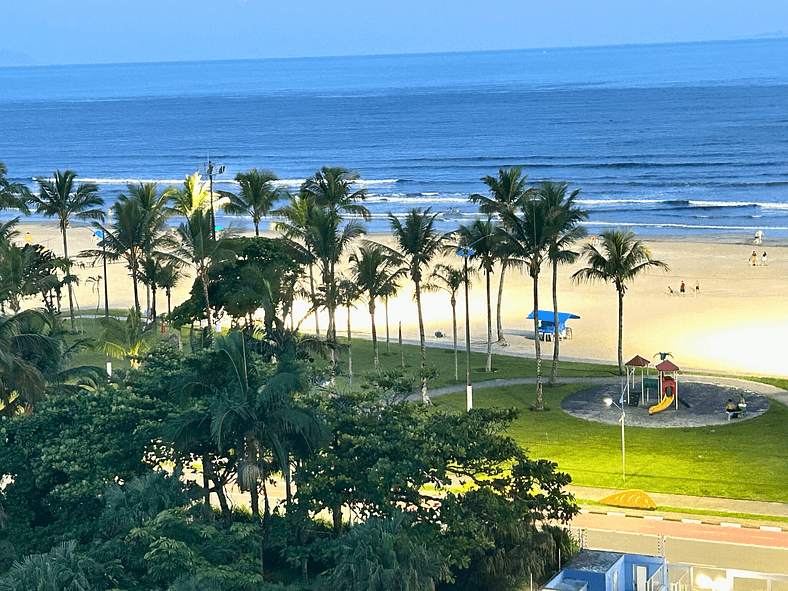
<point>331,189</point>
<point>507,193</point>
<point>449,279</point>
<point>13,195</point>
<point>256,197</point>
<point>418,243</point>
<point>528,233</point>
<point>297,215</point>
<point>376,274</point>
<point>62,199</point>
<point>197,248</point>
<point>619,258</point>
<point>483,236</point>
<point>565,217</point>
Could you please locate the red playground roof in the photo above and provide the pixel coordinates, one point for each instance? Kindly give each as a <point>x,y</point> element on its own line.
<point>667,365</point>
<point>638,361</point>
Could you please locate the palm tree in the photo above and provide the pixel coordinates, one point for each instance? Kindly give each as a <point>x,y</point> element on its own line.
<point>329,234</point>
<point>348,294</point>
<point>565,218</point>
<point>418,242</point>
<point>12,195</point>
<point>507,193</point>
<point>298,215</point>
<point>376,274</point>
<point>60,198</point>
<point>169,276</point>
<point>192,196</point>
<point>619,258</point>
<point>127,238</point>
<point>125,339</point>
<point>35,360</point>
<point>484,237</point>
<point>256,197</point>
<point>528,233</point>
<point>261,419</point>
<point>199,250</point>
<point>449,279</point>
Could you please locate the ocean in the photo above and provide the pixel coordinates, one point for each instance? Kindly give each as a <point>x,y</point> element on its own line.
<point>681,139</point>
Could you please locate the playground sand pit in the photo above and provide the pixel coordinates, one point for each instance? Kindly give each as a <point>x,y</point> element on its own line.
<point>700,404</point>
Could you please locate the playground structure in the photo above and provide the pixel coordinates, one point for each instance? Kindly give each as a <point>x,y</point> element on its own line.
<point>546,329</point>
<point>665,384</point>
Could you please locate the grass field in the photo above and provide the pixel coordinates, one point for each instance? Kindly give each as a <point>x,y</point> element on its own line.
<point>745,460</point>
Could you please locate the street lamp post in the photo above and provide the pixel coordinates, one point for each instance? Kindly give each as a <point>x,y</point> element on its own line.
<point>210,172</point>
<point>466,253</point>
<point>609,402</point>
<point>100,235</point>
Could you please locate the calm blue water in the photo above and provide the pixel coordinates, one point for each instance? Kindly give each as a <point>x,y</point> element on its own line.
<point>675,138</point>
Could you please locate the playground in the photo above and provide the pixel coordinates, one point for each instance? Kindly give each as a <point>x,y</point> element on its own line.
<point>706,406</point>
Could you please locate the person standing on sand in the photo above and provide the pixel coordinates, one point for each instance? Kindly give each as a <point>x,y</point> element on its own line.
<point>682,290</point>
<point>697,288</point>
<point>763,259</point>
<point>753,259</point>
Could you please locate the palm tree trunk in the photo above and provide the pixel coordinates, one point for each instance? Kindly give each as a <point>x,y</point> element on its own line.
<point>621,331</point>
<point>134,282</point>
<point>204,280</point>
<point>454,332</point>
<point>153,301</point>
<point>539,405</point>
<point>499,326</point>
<point>401,350</point>
<point>423,345</point>
<point>556,335</point>
<point>312,291</point>
<point>257,229</point>
<point>374,333</point>
<point>489,325</point>
<point>169,301</point>
<point>349,350</point>
<point>68,272</point>
<point>388,348</point>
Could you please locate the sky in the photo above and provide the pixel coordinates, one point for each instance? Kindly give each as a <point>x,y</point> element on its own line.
<point>44,32</point>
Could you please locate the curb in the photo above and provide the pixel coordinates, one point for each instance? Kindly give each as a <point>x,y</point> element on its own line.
<point>686,520</point>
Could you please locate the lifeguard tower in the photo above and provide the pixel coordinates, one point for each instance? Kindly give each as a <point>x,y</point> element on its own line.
<point>668,386</point>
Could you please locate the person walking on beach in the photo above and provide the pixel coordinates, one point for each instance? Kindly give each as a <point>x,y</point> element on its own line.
<point>682,289</point>
<point>763,259</point>
<point>753,259</point>
<point>697,287</point>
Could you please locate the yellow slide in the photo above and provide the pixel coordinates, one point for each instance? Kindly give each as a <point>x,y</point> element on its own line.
<point>666,402</point>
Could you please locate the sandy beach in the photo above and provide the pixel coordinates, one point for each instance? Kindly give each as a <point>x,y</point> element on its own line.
<point>735,324</point>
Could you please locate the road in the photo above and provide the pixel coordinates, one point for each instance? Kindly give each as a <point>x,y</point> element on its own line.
<point>687,542</point>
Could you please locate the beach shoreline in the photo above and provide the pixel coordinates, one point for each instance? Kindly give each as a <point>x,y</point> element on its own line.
<point>734,324</point>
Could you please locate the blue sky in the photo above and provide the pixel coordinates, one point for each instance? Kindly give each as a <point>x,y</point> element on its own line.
<point>92,31</point>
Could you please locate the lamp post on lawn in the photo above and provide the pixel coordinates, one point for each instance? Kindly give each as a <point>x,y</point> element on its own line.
<point>209,170</point>
<point>466,252</point>
<point>609,402</point>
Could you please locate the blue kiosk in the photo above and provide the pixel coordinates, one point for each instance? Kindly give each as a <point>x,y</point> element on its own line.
<point>547,324</point>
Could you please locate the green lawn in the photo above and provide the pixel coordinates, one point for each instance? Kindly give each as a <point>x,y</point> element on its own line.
<point>743,460</point>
